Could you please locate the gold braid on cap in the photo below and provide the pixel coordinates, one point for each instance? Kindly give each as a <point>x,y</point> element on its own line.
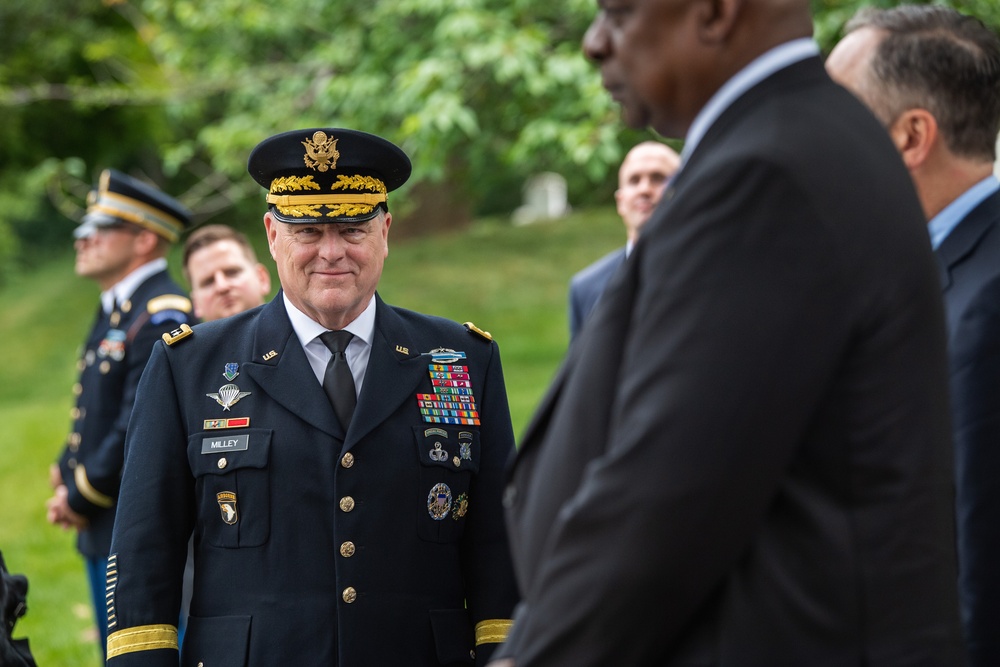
<point>298,206</point>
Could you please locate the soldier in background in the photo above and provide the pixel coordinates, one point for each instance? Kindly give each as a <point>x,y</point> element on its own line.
<point>121,245</point>
<point>222,268</point>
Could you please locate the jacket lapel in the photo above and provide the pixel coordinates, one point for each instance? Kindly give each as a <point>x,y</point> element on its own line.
<point>965,237</point>
<point>280,367</point>
<point>395,369</point>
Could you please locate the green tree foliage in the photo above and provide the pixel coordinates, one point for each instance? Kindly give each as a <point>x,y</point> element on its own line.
<point>481,94</point>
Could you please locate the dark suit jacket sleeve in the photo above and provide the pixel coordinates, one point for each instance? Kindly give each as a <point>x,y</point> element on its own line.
<point>975,385</point>
<point>709,359</point>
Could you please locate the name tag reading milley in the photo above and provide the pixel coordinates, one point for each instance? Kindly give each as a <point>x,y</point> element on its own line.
<point>229,443</point>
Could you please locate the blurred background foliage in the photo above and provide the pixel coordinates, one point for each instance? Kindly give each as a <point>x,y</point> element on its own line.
<point>481,94</point>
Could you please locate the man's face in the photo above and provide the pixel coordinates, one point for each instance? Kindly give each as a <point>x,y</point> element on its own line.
<point>641,178</point>
<point>106,254</point>
<point>647,53</point>
<point>330,271</point>
<point>224,281</point>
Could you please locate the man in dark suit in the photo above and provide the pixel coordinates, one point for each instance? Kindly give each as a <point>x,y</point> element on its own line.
<point>745,458</point>
<point>345,502</point>
<point>932,76</point>
<point>121,245</point>
<point>641,178</point>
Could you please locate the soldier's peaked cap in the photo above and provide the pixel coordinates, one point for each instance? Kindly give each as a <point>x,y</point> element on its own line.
<point>327,174</point>
<point>121,198</point>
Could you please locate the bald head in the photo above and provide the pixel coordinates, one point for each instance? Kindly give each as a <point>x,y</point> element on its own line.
<point>641,179</point>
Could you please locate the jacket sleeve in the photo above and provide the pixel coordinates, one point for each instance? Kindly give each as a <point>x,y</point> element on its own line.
<point>95,482</point>
<point>975,386</point>
<point>152,527</point>
<point>489,574</point>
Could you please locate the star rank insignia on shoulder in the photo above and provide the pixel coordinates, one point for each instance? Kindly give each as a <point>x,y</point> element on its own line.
<point>476,330</point>
<point>180,333</point>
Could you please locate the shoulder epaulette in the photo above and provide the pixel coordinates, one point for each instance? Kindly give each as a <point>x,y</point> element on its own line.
<point>476,330</point>
<point>168,302</point>
<point>180,333</point>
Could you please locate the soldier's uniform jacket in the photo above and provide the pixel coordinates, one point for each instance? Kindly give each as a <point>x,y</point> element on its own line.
<point>110,365</point>
<point>382,546</point>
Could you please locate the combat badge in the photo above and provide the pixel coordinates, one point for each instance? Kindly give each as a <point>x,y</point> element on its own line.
<point>227,505</point>
<point>439,502</point>
<point>461,506</point>
<point>228,395</point>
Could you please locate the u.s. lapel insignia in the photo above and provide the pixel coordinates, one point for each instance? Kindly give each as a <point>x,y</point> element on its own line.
<point>439,501</point>
<point>227,505</point>
<point>270,355</point>
<point>228,395</point>
<point>402,350</point>
<point>230,371</point>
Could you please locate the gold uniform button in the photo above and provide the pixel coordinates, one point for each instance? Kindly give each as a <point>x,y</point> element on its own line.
<point>223,463</point>
<point>347,461</point>
<point>115,319</point>
<point>350,595</point>
<point>127,306</point>
<point>105,367</point>
<point>81,364</point>
<point>73,447</point>
<point>347,549</point>
<point>347,504</point>
<point>77,389</point>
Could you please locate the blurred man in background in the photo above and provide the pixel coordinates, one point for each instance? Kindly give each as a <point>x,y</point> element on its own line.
<point>932,76</point>
<point>641,179</point>
<point>222,268</point>
<point>745,459</point>
<point>122,246</point>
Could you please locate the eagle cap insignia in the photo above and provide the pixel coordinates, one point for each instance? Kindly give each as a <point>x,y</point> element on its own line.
<point>321,152</point>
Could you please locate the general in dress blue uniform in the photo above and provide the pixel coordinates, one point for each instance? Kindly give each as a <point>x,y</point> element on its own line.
<point>374,538</point>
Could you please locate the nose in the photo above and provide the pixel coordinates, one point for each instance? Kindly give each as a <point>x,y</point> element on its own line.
<point>331,246</point>
<point>595,41</point>
<point>221,282</point>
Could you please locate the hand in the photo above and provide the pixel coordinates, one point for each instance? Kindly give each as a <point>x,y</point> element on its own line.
<point>55,476</point>
<point>59,513</point>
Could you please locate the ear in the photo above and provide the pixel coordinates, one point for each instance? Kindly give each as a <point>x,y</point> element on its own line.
<point>915,134</point>
<point>146,242</point>
<point>717,19</point>
<point>272,231</point>
<point>264,277</point>
<point>385,233</point>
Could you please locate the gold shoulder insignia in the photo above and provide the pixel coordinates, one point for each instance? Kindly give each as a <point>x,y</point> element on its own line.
<point>168,302</point>
<point>178,334</point>
<point>476,330</point>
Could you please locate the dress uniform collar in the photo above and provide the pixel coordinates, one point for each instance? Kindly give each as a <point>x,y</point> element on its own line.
<point>123,290</point>
<point>308,331</point>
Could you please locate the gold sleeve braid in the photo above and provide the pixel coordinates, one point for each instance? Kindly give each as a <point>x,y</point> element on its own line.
<point>88,491</point>
<point>493,630</point>
<point>142,638</point>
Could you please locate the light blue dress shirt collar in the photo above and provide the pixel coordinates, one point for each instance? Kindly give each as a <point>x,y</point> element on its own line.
<point>944,222</point>
<point>759,69</point>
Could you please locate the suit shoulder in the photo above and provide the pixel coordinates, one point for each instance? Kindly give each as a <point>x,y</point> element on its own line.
<point>440,328</point>
<point>599,268</point>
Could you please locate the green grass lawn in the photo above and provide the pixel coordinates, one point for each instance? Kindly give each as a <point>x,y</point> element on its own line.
<point>510,281</point>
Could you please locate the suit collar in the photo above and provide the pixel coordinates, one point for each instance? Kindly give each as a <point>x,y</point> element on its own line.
<point>395,368</point>
<point>964,238</point>
<point>279,365</point>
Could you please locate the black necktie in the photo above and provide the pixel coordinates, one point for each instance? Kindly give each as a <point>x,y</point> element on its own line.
<point>338,382</point>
